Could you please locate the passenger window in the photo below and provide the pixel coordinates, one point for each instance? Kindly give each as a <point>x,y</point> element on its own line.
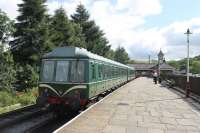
<point>93,71</point>
<point>100,73</point>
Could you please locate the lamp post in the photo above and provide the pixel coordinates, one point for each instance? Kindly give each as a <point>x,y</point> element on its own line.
<point>188,66</point>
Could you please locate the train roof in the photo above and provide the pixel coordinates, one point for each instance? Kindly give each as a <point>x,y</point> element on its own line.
<point>70,52</point>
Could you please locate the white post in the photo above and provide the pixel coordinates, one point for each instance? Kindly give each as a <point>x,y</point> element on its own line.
<point>188,60</point>
<point>188,65</point>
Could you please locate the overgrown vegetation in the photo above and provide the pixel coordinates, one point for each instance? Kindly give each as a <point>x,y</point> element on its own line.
<point>181,64</point>
<point>34,33</point>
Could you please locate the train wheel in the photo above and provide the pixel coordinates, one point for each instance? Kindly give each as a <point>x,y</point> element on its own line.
<point>75,105</point>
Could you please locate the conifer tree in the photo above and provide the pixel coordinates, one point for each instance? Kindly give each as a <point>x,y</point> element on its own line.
<point>31,36</point>
<point>94,37</point>
<point>121,55</point>
<point>64,32</point>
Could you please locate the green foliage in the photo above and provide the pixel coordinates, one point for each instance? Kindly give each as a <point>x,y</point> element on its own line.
<point>6,99</point>
<point>110,54</point>
<point>121,55</point>
<point>64,32</point>
<point>195,67</point>
<point>94,37</point>
<point>31,36</point>
<point>194,64</point>
<point>174,64</point>
<point>6,28</point>
<point>27,77</point>
<point>7,72</point>
<point>27,98</point>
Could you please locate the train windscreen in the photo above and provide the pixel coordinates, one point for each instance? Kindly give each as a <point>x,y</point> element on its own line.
<point>62,71</point>
<point>48,71</point>
<point>65,71</point>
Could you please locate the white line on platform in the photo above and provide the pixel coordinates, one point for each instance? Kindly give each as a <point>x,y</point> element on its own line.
<point>57,130</point>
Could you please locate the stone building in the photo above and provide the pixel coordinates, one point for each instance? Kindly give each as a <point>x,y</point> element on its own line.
<point>145,69</point>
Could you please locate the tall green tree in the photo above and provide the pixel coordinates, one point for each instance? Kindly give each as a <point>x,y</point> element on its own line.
<point>7,72</point>
<point>6,28</point>
<point>64,32</point>
<point>121,55</point>
<point>32,35</point>
<point>94,37</point>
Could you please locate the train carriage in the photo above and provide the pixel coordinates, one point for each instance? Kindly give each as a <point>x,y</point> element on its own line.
<point>71,76</point>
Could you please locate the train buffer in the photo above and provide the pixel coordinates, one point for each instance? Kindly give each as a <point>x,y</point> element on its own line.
<point>139,107</point>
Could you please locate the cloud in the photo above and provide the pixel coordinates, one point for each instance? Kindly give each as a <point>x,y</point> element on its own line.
<point>124,21</point>
<point>10,8</point>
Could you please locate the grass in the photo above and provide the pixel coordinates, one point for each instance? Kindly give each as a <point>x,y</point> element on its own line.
<point>9,101</point>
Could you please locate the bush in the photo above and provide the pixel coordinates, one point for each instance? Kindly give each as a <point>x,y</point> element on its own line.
<point>6,99</point>
<point>27,77</point>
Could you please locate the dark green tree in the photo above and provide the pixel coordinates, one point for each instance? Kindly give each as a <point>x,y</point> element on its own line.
<point>94,37</point>
<point>32,35</point>
<point>7,72</point>
<point>6,28</point>
<point>64,32</point>
<point>121,55</point>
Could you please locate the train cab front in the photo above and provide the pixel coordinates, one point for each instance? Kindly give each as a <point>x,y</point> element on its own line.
<point>62,84</point>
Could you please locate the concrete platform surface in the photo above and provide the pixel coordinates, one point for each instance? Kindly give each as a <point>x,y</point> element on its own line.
<point>139,107</point>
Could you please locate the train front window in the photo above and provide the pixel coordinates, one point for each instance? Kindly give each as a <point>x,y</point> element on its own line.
<point>62,71</point>
<point>48,71</point>
<point>77,71</point>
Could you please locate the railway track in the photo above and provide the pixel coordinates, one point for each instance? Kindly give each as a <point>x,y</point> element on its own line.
<point>22,119</point>
<point>32,119</point>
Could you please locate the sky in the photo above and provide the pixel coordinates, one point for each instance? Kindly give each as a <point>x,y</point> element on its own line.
<point>142,27</point>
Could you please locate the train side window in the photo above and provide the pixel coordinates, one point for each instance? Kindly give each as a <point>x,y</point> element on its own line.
<point>99,71</point>
<point>93,71</point>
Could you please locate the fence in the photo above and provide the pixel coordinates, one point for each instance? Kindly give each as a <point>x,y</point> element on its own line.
<point>180,81</point>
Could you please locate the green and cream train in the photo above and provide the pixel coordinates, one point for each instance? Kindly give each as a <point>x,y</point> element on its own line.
<point>71,76</point>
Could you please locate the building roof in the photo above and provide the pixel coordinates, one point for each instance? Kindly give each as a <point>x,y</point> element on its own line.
<point>164,66</point>
<point>146,67</point>
<point>75,52</point>
<point>160,53</point>
<point>143,66</point>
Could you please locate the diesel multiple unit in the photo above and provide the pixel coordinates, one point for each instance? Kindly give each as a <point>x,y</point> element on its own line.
<point>71,76</point>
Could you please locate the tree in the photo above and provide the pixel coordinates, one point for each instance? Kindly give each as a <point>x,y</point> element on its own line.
<point>31,36</point>
<point>64,32</point>
<point>121,55</point>
<point>110,54</point>
<point>7,72</point>
<point>94,37</point>
<point>6,28</point>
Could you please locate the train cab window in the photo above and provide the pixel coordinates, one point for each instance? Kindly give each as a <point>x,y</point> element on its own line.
<point>62,71</point>
<point>77,71</point>
<point>48,71</point>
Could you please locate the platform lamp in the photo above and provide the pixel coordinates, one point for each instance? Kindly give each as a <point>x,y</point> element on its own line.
<point>188,89</point>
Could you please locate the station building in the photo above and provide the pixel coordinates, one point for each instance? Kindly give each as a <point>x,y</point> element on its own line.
<point>146,69</point>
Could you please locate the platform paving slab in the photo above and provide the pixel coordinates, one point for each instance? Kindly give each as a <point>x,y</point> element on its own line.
<point>139,107</point>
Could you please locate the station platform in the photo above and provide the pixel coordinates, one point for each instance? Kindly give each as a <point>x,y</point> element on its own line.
<point>140,106</point>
